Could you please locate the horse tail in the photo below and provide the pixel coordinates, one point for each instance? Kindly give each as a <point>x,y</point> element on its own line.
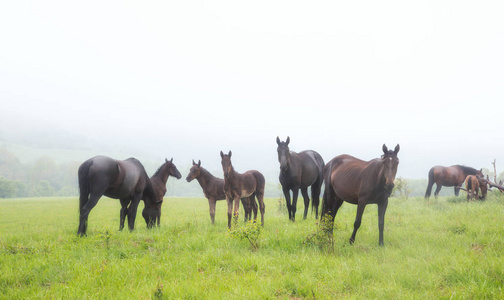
<point>84,183</point>
<point>327,182</point>
<point>430,183</point>
<point>320,180</point>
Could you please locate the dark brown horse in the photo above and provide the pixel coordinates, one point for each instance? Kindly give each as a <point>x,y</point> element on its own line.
<point>158,181</point>
<point>300,171</point>
<point>448,176</point>
<point>236,186</point>
<point>119,179</point>
<point>213,188</point>
<point>359,182</point>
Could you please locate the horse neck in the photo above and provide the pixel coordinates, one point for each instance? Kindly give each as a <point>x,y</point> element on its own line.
<point>162,175</point>
<point>204,178</point>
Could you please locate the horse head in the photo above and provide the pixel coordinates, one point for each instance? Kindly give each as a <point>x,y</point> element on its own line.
<point>195,171</point>
<point>227,167</point>
<point>283,153</point>
<point>172,169</point>
<point>390,163</point>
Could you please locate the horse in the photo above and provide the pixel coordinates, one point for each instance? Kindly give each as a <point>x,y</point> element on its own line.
<point>213,189</point>
<point>300,171</point>
<point>359,182</point>
<point>118,179</point>
<point>236,186</point>
<point>448,176</point>
<point>158,181</point>
<point>474,184</point>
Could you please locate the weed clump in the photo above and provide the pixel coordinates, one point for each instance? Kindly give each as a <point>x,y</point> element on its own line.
<point>251,232</point>
<point>323,236</point>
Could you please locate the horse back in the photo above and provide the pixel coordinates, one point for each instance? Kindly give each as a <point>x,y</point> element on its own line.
<point>131,179</point>
<point>312,167</point>
<point>447,176</point>
<point>344,174</point>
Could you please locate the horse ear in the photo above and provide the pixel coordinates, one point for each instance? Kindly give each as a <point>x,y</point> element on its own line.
<point>229,154</point>
<point>287,141</point>
<point>193,162</point>
<point>278,141</point>
<point>396,150</point>
<point>199,163</point>
<point>171,160</point>
<point>166,160</point>
<point>385,149</point>
<point>221,154</point>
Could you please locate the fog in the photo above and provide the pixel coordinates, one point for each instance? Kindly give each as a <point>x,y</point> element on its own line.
<point>187,79</point>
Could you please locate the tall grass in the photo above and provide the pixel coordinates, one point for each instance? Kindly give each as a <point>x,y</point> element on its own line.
<point>444,248</point>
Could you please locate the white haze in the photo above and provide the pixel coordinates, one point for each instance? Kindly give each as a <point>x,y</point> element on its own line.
<point>187,79</point>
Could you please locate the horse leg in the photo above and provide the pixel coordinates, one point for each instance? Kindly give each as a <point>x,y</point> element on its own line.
<point>236,208</point>
<point>132,211</point>
<point>382,208</point>
<point>123,212</point>
<point>358,218</point>
<point>211,204</point>
<point>247,209</point>
<point>253,205</point>
<point>286,192</point>
<point>438,188</point>
<point>315,193</point>
<point>295,193</point>
<point>230,210</point>
<point>304,192</point>
<point>85,210</point>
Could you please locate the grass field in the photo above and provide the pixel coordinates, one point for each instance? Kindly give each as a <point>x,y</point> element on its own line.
<point>443,248</point>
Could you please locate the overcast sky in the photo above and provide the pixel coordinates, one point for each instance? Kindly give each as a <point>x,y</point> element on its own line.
<point>187,79</point>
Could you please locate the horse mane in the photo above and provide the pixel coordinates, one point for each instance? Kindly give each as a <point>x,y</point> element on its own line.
<point>467,170</point>
<point>159,169</point>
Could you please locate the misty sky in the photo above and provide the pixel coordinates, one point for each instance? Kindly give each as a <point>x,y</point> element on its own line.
<point>187,79</point>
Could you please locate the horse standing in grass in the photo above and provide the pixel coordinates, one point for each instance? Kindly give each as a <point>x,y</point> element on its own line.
<point>119,179</point>
<point>359,182</point>
<point>300,171</point>
<point>213,188</point>
<point>158,181</point>
<point>236,186</point>
<point>474,184</point>
<point>448,176</point>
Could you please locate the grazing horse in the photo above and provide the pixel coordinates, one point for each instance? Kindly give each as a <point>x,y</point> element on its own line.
<point>236,186</point>
<point>158,181</point>
<point>300,171</point>
<point>472,187</point>
<point>213,188</point>
<point>474,184</point>
<point>448,176</point>
<point>119,179</point>
<point>359,182</point>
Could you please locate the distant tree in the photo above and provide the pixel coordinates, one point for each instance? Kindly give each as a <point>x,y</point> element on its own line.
<point>44,189</point>
<point>401,187</point>
<point>10,166</point>
<point>7,188</point>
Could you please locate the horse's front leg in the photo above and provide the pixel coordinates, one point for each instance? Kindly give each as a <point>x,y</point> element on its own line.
<point>382,208</point>
<point>295,193</point>
<point>358,218</point>
<point>230,210</point>
<point>132,211</point>
<point>211,205</point>
<point>286,192</point>
<point>236,208</point>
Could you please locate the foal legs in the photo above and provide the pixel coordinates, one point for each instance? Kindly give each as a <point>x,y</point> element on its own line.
<point>211,204</point>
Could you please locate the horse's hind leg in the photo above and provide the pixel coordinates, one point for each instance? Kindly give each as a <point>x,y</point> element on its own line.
<point>315,193</point>
<point>304,192</point>
<point>295,193</point>
<point>438,189</point>
<point>86,209</point>
<point>123,213</point>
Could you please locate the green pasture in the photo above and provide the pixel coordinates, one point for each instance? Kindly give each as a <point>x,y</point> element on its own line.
<point>445,248</point>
